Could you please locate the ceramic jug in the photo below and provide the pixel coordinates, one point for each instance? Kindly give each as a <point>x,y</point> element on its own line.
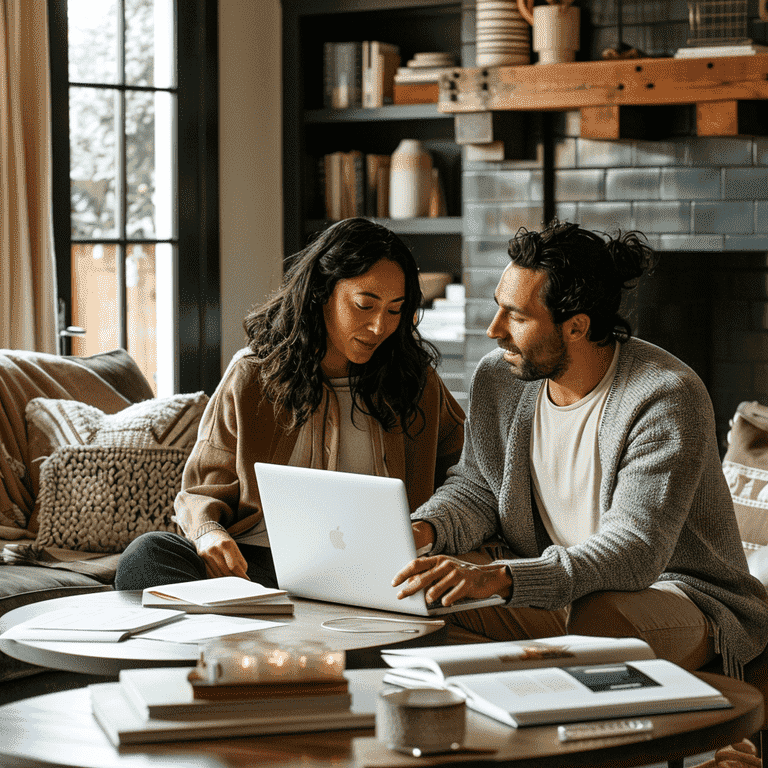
<point>410,180</point>
<point>555,29</point>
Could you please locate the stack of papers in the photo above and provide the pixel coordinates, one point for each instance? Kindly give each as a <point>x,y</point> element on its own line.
<point>225,595</point>
<point>109,625</point>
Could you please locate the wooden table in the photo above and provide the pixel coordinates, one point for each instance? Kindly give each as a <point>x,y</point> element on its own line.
<point>58,729</point>
<point>108,659</point>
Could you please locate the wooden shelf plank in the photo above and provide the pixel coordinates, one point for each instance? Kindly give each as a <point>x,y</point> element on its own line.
<point>442,225</point>
<point>580,85</point>
<point>377,114</point>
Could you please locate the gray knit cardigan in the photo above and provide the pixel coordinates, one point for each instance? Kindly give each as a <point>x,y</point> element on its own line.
<point>665,508</point>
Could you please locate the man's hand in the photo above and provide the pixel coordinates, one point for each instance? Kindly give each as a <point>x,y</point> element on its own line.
<point>221,554</point>
<point>449,579</point>
<point>423,533</point>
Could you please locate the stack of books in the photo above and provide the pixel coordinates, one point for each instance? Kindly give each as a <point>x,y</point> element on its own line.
<point>354,184</point>
<point>170,704</point>
<point>419,81</point>
<point>359,73</point>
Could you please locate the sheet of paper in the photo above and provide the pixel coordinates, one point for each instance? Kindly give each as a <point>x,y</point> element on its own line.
<point>193,628</point>
<point>106,619</point>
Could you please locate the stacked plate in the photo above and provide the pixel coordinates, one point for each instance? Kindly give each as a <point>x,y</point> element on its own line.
<point>503,37</point>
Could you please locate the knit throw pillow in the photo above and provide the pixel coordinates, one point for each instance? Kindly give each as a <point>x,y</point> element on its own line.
<point>169,422</point>
<point>746,468</point>
<point>99,499</point>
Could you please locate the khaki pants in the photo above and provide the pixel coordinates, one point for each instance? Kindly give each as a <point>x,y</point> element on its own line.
<point>662,615</point>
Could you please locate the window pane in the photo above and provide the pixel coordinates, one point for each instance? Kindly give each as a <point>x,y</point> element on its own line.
<point>149,53</point>
<point>92,41</point>
<point>140,162</point>
<point>94,298</point>
<point>93,165</point>
<point>165,163</point>
<point>166,257</point>
<point>141,301</point>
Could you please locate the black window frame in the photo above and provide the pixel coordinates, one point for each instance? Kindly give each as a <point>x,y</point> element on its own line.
<point>197,297</point>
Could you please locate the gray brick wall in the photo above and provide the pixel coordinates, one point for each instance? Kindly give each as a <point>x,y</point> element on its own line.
<point>693,197</point>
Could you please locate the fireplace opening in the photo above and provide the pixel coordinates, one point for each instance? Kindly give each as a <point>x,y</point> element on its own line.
<point>711,311</point>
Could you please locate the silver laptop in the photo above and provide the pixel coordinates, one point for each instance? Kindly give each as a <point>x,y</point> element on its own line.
<point>341,537</point>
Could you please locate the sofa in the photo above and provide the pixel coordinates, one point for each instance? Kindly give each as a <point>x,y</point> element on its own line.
<point>89,459</point>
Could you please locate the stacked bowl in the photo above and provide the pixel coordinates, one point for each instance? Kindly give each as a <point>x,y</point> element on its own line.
<point>502,34</point>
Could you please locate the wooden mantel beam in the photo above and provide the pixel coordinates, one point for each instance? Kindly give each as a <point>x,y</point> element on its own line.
<point>578,85</point>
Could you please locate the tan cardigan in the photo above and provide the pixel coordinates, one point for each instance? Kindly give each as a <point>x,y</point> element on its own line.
<point>239,427</point>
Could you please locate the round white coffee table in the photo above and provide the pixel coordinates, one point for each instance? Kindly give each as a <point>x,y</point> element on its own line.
<point>108,659</point>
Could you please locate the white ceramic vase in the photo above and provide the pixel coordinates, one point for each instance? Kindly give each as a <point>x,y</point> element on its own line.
<point>410,180</point>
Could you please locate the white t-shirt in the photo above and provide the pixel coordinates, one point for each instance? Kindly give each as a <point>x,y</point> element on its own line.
<point>355,452</point>
<point>565,462</point>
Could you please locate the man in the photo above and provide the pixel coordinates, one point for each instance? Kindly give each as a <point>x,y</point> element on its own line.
<point>592,458</point>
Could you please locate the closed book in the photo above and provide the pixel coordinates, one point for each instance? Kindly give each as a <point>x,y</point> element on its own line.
<point>373,163</point>
<point>416,93</point>
<point>124,725</point>
<point>223,591</point>
<point>384,61</point>
<point>329,73</point>
<point>168,693</point>
<point>277,606</point>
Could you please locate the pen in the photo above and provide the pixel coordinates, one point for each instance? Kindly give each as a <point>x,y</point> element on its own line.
<point>163,595</point>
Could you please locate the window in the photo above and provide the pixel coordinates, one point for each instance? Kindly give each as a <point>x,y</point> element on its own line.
<point>134,82</point>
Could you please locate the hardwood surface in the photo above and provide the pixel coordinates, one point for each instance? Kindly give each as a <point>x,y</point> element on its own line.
<point>58,729</point>
<point>109,658</point>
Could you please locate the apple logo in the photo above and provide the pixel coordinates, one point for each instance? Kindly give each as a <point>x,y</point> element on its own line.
<point>337,538</point>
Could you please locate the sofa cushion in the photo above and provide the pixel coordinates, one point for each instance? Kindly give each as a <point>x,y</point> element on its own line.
<point>25,375</point>
<point>161,422</point>
<point>120,371</point>
<point>746,468</point>
<point>99,499</point>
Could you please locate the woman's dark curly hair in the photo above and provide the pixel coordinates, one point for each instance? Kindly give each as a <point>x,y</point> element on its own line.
<point>287,335</point>
<point>586,273</point>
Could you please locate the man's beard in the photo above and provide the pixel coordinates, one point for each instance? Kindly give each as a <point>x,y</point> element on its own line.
<point>551,361</point>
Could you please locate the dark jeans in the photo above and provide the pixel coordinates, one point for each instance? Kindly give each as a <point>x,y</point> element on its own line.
<point>160,557</point>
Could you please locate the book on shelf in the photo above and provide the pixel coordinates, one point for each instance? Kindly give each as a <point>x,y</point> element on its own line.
<point>377,185</point>
<point>342,74</point>
<point>224,595</point>
<point>169,693</point>
<point>110,624</point>
<point>555,680</point>
<point>380,62</point>
<point>343,176</point>
<point>119,718</point>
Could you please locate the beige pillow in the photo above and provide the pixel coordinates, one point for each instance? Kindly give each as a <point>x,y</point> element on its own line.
<point>169,422</point>
<point>746,468</point>
<point>100,498</point>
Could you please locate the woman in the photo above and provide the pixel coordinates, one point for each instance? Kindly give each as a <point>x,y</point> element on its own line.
<point>335,376</point>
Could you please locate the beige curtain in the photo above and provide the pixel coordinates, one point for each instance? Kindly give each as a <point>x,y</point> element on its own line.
<point>27,266</point>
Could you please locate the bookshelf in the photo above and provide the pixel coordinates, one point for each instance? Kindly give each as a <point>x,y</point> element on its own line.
<point>312,130</point>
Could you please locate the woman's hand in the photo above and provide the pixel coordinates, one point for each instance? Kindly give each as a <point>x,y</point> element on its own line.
<point>449,579</point>
<point>221,554</point>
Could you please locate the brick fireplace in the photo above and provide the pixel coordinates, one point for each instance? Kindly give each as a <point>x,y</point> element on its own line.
<point>701,202</point>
